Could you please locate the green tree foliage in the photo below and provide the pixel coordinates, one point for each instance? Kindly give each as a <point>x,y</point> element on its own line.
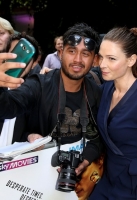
<point>36,6</point>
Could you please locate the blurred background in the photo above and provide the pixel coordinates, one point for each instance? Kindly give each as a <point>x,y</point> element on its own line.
<point>46,19</point>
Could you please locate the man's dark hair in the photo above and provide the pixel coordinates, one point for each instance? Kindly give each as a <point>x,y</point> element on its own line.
<point>83,30</point>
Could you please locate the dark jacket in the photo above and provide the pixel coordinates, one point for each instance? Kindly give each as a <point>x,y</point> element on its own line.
<point>119,131</point>
<point>98,72</point>
<point>21,122</point>
<point>39,95</point>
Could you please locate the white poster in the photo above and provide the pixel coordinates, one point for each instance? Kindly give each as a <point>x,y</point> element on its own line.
<point>31,176</point>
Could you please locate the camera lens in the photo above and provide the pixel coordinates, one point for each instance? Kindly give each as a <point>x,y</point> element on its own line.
<point>66,180</point>
<point>68,160</point>
<point>23,47</point>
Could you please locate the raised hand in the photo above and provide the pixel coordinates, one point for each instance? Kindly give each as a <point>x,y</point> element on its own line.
<point>6,80</point>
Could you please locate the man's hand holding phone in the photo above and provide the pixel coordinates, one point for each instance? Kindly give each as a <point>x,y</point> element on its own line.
<point>25,52</point>
<point>6,80</point>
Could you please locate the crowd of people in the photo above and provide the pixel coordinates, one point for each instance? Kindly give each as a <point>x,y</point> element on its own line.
<point>67,102</point>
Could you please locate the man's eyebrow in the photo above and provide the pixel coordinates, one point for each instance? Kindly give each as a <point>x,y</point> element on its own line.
<point>70,46</point>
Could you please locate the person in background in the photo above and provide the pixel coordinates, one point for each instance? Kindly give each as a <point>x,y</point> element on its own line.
<point>116,118</point>
<point>134,30</point>
<point>98,72</point>
<point>96,61</point>
<point>53,60</point>
<point>13,130</point>
<point>95,67</point>
<point>6,30</point>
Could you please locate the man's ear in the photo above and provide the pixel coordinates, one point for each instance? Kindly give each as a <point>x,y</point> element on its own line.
<point>61,54</point>
<point>95,61</point>
<point>132,60</point>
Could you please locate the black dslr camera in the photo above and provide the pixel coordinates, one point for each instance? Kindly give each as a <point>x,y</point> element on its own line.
<point>68,160</point>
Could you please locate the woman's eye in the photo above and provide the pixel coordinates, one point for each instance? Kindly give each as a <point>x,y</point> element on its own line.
<point>111,58</point>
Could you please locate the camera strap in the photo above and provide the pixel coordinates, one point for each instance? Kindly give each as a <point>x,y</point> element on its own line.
<point>84,120</point>
<point>61,109</point>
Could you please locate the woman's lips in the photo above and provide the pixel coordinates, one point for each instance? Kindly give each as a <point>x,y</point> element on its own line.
<point>105,73</point>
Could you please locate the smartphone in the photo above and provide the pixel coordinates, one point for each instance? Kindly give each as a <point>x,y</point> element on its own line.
<point>25,52</point>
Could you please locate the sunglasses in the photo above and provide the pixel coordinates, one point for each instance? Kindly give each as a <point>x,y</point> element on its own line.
<point>74,40</point>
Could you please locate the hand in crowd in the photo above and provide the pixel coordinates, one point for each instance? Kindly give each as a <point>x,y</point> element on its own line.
<point>32,137</point>
<point>5,80</point>
<point>82,166</point>
<point>45,70</point>
<point>79,169</point>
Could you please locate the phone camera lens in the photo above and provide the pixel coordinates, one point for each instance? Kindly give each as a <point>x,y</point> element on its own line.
<point>23,47</point>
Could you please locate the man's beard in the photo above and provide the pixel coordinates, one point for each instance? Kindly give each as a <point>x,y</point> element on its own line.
<point>72,76</point>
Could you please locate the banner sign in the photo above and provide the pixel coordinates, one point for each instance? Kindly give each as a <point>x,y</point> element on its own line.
<point>31,177</point>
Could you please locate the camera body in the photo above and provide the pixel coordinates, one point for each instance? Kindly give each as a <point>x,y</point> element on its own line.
<point>68,160</point>
<point>71,158</point>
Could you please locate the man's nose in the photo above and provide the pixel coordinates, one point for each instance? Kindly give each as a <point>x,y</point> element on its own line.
<point>77,57</point>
